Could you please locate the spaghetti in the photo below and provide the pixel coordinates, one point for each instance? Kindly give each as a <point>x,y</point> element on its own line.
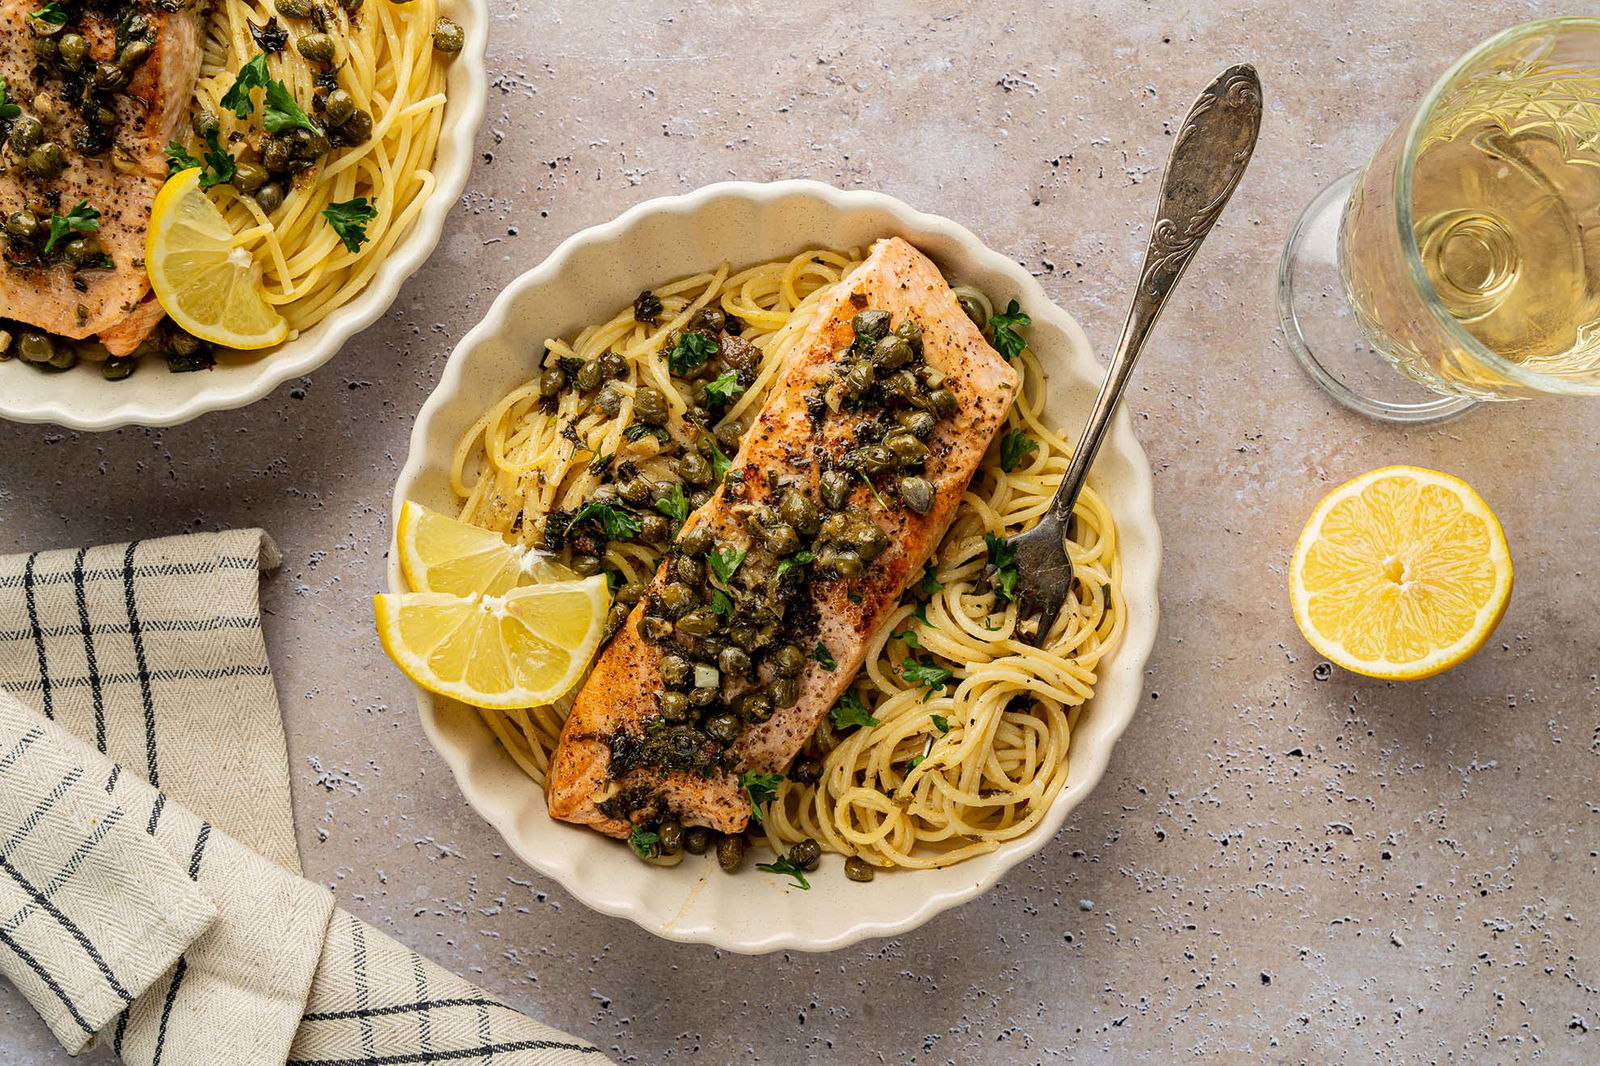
<point>939,777</point>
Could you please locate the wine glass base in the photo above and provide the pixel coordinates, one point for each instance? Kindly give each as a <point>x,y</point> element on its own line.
<point>1323,331</point>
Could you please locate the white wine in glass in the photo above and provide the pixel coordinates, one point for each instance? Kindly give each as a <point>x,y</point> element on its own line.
<point>1468,249</point>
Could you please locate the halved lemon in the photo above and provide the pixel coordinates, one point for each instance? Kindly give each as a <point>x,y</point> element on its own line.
<point>523,649</point>
<point>1400,573</point>
<point>208,286</point>
<point>441,554</point>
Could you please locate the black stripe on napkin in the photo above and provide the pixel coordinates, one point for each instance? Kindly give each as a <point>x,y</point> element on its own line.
<point>28,582</point>
<point>88,651</point>
<point>70,926</point>
<point>447,1056</point>
<point>49,982</point>
<point>141,664</point>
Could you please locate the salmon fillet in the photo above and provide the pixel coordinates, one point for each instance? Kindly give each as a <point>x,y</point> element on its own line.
<point>785,447</point>
<point>121,183</point>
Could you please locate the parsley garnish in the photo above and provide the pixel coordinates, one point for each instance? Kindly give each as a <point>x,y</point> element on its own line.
<point>644,429</point>
<point>721,603</point>
<point>617,524</point>
<point>52,13</point>
<point>930,581</point>
<point>725,563</point>
<point>179,159</point>
<point>691,352</point>
<point>643,842</point>
<point>81,219</point>
<point>788,868</point>
<point>1013,447</point>
<point>719,462</point>
<point>916,761</point>
<point>855,597</point>
<point>909,637</point>
<point>253,75</point>
<point>282,113</point>
<point>760,788</point>
<point>724,388</point>
<point>1003,557</point>
<point>822,655</point>
<point>789,562</point>
<point>941,723</point>
<point>675,505</point>
<point>1007,341</point>
<point>219,167</point>
<point>349,220</point>
<point>7,108</point>
<point>850,711</point>
<point>925,672</point>
<point>613,581</point>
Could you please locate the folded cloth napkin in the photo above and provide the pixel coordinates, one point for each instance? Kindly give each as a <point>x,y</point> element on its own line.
<point>149,888</point>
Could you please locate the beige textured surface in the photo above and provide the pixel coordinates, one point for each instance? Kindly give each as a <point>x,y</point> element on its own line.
<point>1277,868</point>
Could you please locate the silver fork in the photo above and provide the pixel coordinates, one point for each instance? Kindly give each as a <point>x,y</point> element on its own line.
<point>1208,159</point>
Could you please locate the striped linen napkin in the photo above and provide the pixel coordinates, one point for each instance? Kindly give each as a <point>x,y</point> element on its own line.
<point>149,888</point>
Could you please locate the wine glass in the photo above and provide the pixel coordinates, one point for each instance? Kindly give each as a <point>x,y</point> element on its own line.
<point>1466,253</point>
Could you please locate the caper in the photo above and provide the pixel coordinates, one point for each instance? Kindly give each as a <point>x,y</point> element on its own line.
<point>699,498</point>
<point>351,5</point>
<point>729,434</point>
<point>724,728</point>
<point>744,636</point>
<point>755,707</point>
<point>46,161</point>
<point>23,226</point>
<point>694,470</point>
<point>135,53</point>
<point>630,593</point>
<point>551,382</point>
<point>294,9</point>
<point>615,617</point>
<point>703,695</point>
<point>734,662</point>
<point>269,197</point>
<point>46,49</point>
<point>905,446</point>
<point>109,76</point>
<point>973,307</point>
<point>870,541</point>
<point>277,153</point>
<point>636,490</point>
<point>26,133</point>
<point>859,378</point>
<point>675,669</point>
<point>589,376</point>
<point>942,402</point>
<point>654,529</point>
<point>892,352</point>
<point>871,324</point>
<point>788,660</point>
<point>248,177</point>
<point>104,116</point>
<point>877,458</point>
<point>92,138</point>
<point>701,622</point>
<point>357,129</point>
<point>797,509</point>
<point>806,854</point>
<point>730,853</point>
<point>609,401</point>
<point>919,424</point>
<point>740,354</point>
<point>653,628</point>
<point>612,365</point>
<point>81,250</point>
<point>65,357</point>
<point>310,145</point>
<point>847,564</point>
<point>783,691</point>
<point>677,598</point>
<point>782,539</point>
<point>674,706</point>
<point>917,492</point>
<point>910,332</point>
<point>317,47</point>
<point>835,486</point>
<point>585,565</point>
<point>697,540</point>
<point>117,369</point>
<point>806,770</point>
<point>671,837</point>
<point>35,348</point>
<point>649,405</point>
<point>696,839</point>
<point>858,869</point>
<point>73,49</point>
<point>186,344</point>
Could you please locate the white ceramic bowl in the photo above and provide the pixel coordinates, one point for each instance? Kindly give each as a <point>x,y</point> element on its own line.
<point>585,280</point>
<point>82,399</point>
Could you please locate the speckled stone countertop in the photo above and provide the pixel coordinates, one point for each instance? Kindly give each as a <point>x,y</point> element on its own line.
<point>1279,867</point>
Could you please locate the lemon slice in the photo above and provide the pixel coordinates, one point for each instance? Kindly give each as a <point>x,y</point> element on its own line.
<point>440,554</point>
<point>208,286</point>
<point>523,649</point>
<point>1400,574</point>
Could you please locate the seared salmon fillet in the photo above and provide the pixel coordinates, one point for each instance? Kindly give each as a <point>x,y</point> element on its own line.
<point>120,182</point>
<point>617,763</point>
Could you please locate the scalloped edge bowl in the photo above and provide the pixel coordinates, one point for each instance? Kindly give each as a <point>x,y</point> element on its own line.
<point>587,278</point>
<point>82,399</point>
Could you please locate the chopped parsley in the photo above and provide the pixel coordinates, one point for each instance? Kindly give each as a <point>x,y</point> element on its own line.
<point>253,75</point>
<point>916,761</point>
<point>788,868</point>
<point>1003,557</point>
<point>279,113</point>
<point>7,108</point>
<point>929,585</point>
<point>926,672</point>
<point>719,462</point>
<point>724,388</point>
<point>617,524</point>
<point>613,581</point>
<point>1014,446</point>
<point>219,167</point>
<point>908,636</point>
<point>53,13</point>
<point>941,723</point>
<point>850,711</point>
<point>645,429</point>
<point>691,352</point>
<point>822,655</point>
<point>282,113</point>
<point>81,219</point>
<point>349,220</point>
<point>789,562</point>
<point>1007,341</point>
<point>855,597</point>
<point>721,603</point>
<point>675,505</point>
<point>760,788</point>
<point>725,563</point>
<point>643,841</point>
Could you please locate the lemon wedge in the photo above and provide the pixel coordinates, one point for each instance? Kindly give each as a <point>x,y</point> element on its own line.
<point>1400,574</point>
<point>523,649</point>
<point>441,554</point>
<point>206,285</point>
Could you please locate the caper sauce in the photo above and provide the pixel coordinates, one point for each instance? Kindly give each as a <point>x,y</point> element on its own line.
<point>734,624</point>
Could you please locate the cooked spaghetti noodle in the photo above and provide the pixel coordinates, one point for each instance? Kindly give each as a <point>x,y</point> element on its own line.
<point>938,779</point>
<point>386,61</point>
